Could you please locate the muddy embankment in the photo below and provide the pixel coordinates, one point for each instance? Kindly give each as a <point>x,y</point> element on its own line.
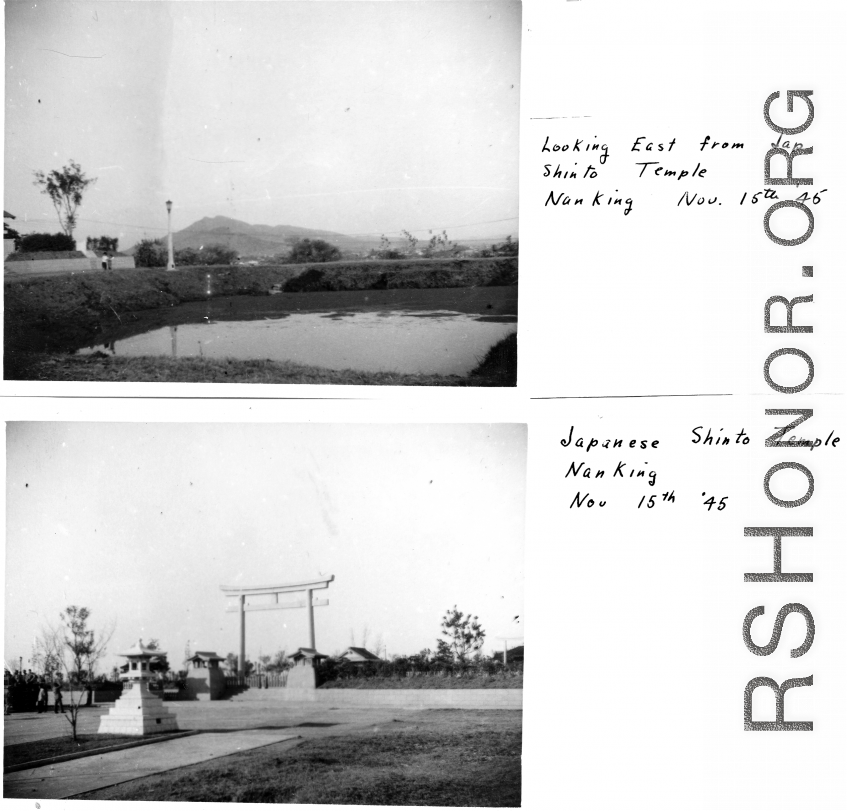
<point>51,313</point>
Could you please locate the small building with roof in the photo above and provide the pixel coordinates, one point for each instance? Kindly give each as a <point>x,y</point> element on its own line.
<point>205,659</point>
<point>8,243</point>
<point>359,656</point>
<point>205,680</point>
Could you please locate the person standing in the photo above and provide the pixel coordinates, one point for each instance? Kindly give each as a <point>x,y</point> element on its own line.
<point>57,698</point>
<point>109,260</point>
<point>41,702</point>
<point>104,262</point>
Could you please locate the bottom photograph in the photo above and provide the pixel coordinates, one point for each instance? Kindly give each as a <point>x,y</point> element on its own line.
<point>254,612</point>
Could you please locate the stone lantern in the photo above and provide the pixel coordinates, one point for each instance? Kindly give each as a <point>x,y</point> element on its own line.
<point>138,711</point>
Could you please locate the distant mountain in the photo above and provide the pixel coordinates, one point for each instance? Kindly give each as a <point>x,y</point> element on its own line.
<point>253,241</point>
<point>261,240</point>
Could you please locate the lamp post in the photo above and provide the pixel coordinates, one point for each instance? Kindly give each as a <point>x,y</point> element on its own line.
<point>171,265</point>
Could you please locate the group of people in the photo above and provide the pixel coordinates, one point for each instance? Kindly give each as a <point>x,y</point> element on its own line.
<point>23,688</point>
<point>106,261</point>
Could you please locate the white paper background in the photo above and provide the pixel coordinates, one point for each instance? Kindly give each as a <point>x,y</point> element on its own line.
<point>635,682</point>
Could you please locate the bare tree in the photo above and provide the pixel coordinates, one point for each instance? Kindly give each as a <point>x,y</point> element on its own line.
<point>278,662</point>
<point>65,189</point>
<point>43,657</point>
<point>84,646</point>
<point>70,652</point>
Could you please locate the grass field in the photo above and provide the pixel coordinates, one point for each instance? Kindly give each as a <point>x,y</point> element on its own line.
<point>442,757</point>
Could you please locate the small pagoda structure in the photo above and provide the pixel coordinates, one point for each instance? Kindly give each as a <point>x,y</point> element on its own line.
<point>138,711</point>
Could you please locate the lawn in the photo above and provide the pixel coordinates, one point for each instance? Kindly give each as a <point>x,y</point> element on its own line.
<point>18,753</point>
<point>440,757</point>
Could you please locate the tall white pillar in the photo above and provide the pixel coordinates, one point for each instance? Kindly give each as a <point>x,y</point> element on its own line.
<point>311,611</point>
<point>242,657</point>
<point>171,265</point>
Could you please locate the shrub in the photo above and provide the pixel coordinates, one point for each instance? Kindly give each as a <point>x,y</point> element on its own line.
<point>31,243</point>
<point>313,250</point>
<point>312,281</point>
<point>187,256</point>
<point>386,251</point>
<point>507,248</point>
<point>337,669</point>
<point>216,255</point>
<point>101,244</point>
<point>151,253</point>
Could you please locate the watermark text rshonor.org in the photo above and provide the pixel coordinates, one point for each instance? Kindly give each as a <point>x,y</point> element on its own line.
<point>784,149</point>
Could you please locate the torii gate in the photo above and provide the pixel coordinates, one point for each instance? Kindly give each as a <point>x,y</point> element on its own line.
<point>242,592</point>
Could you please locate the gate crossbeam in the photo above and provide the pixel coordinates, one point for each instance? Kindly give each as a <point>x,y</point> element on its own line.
<point>309,602</point>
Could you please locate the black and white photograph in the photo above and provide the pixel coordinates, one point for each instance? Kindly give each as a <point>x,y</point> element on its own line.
<point>262,192</point>
<point>324,614</point>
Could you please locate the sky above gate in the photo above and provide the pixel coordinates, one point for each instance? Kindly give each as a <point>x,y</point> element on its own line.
<point>142,523</point>
<point>354,117</point>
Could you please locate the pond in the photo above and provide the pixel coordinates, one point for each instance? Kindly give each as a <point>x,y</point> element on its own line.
<point>437,331</point>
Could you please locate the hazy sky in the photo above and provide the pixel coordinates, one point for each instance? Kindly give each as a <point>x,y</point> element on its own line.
<point>356,117</point>
<point>142,523</point>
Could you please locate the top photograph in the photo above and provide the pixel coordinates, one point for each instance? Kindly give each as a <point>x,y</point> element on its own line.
<point>276,192</point>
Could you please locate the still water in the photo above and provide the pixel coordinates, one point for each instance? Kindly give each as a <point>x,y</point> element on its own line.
<point>381,338</point>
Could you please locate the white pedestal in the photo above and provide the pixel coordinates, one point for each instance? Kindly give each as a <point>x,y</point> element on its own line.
<point>138,712</point>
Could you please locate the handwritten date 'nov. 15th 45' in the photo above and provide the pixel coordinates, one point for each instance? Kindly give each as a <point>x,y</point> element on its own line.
<point>692,199</point>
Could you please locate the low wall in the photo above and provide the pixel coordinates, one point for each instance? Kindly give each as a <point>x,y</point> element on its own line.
<point>401,699</point>
<point>106,696</point>
<point>100,697</point>
<point>41,266</point>
<point>47,266</point>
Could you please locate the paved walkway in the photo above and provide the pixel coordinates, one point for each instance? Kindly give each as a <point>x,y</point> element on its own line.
<point>227,727</point>
<point>72,777</point>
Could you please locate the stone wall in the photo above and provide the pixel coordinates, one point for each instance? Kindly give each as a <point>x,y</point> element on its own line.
<point>401,699</point>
